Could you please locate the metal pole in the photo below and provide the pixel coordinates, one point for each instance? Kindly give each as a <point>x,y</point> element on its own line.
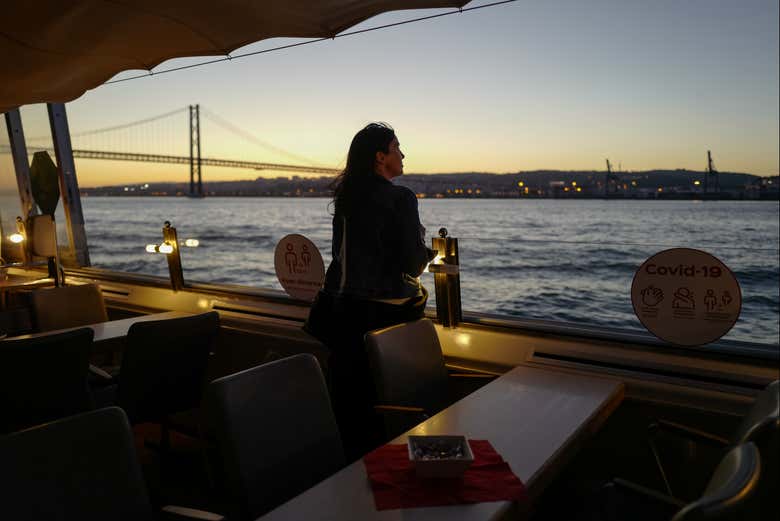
<point>174,257</point>
<point>197,130</point>
<point>13,122</point>
<point>192,153</point>
<point>446,280</point>
<point>69,186</point>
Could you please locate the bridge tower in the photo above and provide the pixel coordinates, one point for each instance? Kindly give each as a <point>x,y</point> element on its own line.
<point>711,176</point>
<point>195,163</point>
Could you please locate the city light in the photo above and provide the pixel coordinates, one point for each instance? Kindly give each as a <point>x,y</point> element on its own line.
<point>697,183</point>
<point>151,248</point>
<point>16,238</point>
<point>192,243</point>
<point>165,248</point>
<point>521,184</point>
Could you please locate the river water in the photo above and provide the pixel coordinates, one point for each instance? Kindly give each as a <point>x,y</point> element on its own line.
<point>563,260</point>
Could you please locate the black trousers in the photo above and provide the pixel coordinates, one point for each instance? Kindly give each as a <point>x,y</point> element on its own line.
<point>341,322</point>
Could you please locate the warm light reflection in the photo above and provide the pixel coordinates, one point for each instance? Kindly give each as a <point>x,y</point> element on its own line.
<point>16,238</point>
<point>463,339</point>
<point>436,260</point>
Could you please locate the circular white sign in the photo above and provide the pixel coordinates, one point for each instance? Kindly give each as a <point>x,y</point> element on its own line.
<point>299,266</point>
<point>686,296</point>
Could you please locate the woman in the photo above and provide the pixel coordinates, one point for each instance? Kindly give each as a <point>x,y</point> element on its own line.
<point>378,253</point>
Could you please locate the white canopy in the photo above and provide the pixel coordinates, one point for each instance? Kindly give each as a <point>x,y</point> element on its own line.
<point>55,50</point>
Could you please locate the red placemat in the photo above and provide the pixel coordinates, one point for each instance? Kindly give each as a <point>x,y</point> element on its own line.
<point>396,485</point>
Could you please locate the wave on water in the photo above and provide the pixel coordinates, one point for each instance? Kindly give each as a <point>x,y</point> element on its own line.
<point>562,260</point>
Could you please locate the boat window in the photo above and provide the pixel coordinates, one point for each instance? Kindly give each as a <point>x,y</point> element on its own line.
<point>236,235</point>
<point>574,260</point>
<point>9,199</point>
<point>37,134</point>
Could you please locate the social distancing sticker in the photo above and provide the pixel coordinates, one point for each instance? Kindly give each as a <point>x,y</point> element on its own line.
<point>686,297</point>
<point>299,266</point>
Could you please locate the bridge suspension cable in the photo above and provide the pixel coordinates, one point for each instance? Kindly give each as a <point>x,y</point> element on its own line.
<point>114,127</point>
<point>248,136</point>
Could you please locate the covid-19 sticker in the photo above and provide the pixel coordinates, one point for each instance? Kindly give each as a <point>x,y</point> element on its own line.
<point>686,297</point>
<point>299,267</point>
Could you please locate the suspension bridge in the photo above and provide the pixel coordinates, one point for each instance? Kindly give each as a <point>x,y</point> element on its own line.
<point>162,133</point>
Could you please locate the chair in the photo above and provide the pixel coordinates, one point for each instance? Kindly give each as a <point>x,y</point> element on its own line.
<point>44,378</point>
<point>730,493</point>
<point>760,425</point>
<point>276,432</point>
<point>83,467</point>
<point>411,379</point>
<point>163,368</point>
<point>68,306</point>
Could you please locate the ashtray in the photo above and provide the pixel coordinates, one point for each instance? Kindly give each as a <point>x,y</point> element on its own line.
<point>440,456</point>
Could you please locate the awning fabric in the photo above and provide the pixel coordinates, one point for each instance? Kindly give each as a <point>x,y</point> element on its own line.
<point>55,50</point>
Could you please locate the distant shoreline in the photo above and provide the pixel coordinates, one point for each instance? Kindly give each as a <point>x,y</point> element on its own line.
<point>543,184</point>
<point>660,197</point>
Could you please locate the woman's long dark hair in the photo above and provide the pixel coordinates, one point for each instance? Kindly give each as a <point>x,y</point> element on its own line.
<point>373,138</point>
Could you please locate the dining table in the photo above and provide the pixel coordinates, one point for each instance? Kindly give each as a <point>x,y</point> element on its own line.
<point>13,282</point>
<point>109,336</point>
<point>536,419</point>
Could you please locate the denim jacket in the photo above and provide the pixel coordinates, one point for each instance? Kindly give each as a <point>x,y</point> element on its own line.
<point>378,250</point>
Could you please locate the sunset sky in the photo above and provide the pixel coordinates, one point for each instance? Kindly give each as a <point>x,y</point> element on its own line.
<point>559,84</point>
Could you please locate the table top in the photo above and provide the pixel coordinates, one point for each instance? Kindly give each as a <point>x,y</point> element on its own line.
<point>12,281</point>
<point>113,329</point>
<point>533,417</point>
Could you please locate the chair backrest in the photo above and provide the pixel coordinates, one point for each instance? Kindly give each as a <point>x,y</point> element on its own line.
<point>761,425</point>
<point>44,378</point>
<point>68,306</point>
<point>731,489</point>
<point>164,365</point>
<point>762,417</point>
<point>408,366</point>
<point>82,467</point>
<point>42,232</point>
<point>276,432</point>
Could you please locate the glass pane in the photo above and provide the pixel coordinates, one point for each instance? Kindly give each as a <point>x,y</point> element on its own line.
<point>575,260</point>
<point>10,205</point>
<point>37,134</point>
<point>237,235</point>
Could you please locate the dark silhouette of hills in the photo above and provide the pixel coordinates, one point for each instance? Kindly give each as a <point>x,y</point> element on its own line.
<point>656,184</point>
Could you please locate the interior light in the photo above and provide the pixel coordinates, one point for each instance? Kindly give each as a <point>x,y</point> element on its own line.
<point>165,248</point>
<point>16,238</point>
<point>192,243</point>
<point>697,183</point>
<point>151,248</point>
